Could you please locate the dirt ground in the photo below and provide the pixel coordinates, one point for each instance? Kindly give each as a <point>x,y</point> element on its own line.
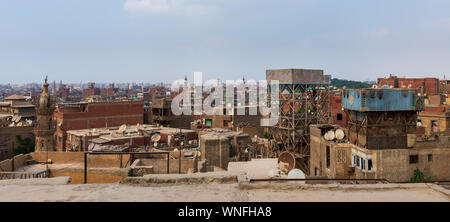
<point>58,191</point>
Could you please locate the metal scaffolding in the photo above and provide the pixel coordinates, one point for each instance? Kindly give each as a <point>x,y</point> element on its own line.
<point>303,100</point>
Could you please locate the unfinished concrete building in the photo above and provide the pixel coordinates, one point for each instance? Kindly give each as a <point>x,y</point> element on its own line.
<point>161,114</point>
<point>218,147</point>
<point>303,101</point>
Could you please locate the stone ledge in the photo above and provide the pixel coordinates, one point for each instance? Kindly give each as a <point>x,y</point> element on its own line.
<point>182,179</point>
<point>37,181</point>
<point>296,185</point>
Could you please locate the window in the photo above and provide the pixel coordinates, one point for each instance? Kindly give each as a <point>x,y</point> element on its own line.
<point>369,165</point>
<point>316,171</point>
<point>328,156</point>
<point>430,158</point>
<point>357,161</point>
<point>434,126</point>
<point>413,159</point>
<point>339,116</point>
<point>363,164</point>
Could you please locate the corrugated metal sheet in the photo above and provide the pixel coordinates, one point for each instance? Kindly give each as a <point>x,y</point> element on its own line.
<point>382,100</point>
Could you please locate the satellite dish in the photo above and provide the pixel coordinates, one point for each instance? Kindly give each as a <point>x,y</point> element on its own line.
<point>330,135</point>
<point>296,174</point>
<point>419,124</point>
<point>156,138</point>
<point>122,129</point>
<point>340,134</point>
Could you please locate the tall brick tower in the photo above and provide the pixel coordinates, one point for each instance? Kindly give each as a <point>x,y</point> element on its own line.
<point>45,127</point>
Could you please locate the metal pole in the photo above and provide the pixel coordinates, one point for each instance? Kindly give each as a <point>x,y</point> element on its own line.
<point>179,163</point>
<point>168,155</point>
<point>85,167</point>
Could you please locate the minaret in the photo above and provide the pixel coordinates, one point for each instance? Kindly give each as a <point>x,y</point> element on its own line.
<point>44,128</point>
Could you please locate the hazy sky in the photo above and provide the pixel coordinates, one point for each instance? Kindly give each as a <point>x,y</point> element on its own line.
<point>164,40</point>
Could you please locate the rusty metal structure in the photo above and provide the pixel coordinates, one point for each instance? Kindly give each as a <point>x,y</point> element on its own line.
<point>382,118</point>
<point>303,100</point>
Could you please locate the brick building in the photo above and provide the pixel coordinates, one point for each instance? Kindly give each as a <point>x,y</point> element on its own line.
<point>339,116</point>
<point>428,86</point>
<point>91,91</point>
<point>84,115</point>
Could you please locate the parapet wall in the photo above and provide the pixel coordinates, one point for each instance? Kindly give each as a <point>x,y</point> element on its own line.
<point>99,161</point>
<point>19,161</point>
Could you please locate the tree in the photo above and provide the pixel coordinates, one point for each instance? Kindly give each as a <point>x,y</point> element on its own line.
<point>25,145</point>
<point>420,177</point>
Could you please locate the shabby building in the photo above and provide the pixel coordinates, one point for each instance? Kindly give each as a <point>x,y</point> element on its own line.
<point>131,136</point>
<point>86,115</point>
<point>380,142</point>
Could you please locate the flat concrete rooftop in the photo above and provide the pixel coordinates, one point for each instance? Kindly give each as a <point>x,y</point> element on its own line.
<point>56,189</point>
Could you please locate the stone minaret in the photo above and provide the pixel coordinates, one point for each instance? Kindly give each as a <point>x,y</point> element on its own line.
<point>45,127</point>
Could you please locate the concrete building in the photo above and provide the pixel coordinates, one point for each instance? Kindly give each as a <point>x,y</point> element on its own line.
<point>219,147</point>
<point>133,136</point>
<point>161,114</point>
<point>86,115</point>
<point>341,159</point>
<point>16,105</point>
<point>381,141</point>
<point>435,119</point>
<point>245,123</point>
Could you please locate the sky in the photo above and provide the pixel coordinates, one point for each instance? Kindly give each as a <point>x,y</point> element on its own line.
<point>164,40</point>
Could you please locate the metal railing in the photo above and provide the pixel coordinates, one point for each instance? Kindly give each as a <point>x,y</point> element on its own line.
<point>121,153</point>
<point>23,175</point>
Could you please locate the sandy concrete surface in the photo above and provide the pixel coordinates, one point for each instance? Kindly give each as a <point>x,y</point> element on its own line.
<point>213,192</point>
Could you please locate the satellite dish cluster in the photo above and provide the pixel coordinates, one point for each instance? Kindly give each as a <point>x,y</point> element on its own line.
<point>334,135</point>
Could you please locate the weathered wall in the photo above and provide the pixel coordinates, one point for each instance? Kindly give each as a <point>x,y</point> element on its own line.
<point>94,161</point>
<point>8,139</point>
<point>160,165</point>
<point>19,161</point>
<point>112,175</point>
<point>216,150</point>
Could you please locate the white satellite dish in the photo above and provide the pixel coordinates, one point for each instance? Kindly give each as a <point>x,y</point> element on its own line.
<point>296,174</point>
<point>156,138</point>
<point>340,134</point>
<point>330,135</point>
<point>419,124</point>
<point>122,129</point>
